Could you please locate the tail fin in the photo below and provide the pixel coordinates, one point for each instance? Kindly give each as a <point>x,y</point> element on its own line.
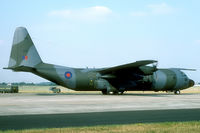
<point>23,52</point>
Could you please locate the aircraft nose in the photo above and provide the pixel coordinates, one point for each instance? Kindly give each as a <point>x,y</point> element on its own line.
<point>191,83</point>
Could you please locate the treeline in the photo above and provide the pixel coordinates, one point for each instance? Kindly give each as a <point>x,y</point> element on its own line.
<point>29,84</point>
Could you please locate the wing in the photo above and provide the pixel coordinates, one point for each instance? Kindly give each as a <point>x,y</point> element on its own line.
<point>128,76</point>
<point>131,67</point>
<point>185,69</point>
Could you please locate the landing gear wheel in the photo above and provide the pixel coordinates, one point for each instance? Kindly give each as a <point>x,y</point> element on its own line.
<point>104,92</point>
<point>177,92</point>
<point>115,92</point>
<point>121,92</point>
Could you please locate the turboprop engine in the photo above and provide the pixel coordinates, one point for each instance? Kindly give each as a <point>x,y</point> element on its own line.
<point>170,80</point>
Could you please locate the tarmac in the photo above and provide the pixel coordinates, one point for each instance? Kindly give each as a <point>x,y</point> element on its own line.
<point>44,110</point>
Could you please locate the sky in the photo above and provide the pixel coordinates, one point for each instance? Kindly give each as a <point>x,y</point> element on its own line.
<point>103,33</point>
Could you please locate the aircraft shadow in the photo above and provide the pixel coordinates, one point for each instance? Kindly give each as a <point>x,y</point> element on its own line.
<point>125,94</point>
<point>53,94</point>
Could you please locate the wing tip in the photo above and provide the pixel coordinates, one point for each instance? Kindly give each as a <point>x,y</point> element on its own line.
<point>185,69</point>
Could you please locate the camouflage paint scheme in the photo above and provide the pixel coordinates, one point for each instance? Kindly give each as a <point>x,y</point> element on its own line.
<point>129,77</point>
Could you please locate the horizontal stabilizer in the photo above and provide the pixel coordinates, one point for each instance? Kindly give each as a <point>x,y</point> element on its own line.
<point>22,68</point>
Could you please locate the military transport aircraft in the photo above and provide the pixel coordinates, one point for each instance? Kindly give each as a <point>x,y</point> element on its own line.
<point>137,76</point>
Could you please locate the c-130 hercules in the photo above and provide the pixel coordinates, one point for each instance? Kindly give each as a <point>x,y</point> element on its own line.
<point>137,76</point>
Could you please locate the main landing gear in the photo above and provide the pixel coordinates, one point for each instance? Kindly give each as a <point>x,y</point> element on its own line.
<point>105,92</point>
<point>177,92</point>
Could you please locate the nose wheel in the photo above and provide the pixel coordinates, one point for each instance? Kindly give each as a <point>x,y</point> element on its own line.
<point>177,92</point>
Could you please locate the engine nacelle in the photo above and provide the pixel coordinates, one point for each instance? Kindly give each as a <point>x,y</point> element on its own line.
<point>170,79</point>
<point>146,70</point>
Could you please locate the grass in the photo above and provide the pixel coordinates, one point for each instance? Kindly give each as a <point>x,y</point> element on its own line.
<point>166,127</point>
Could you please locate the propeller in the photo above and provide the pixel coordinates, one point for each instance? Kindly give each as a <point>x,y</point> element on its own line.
<point>155,65</point>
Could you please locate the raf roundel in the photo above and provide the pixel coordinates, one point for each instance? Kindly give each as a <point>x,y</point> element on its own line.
<point>68,75</point>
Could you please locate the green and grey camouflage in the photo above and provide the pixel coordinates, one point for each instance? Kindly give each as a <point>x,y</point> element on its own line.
<point>129,77</point>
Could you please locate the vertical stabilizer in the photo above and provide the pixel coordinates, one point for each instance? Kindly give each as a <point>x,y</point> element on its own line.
<point>23,52</point>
